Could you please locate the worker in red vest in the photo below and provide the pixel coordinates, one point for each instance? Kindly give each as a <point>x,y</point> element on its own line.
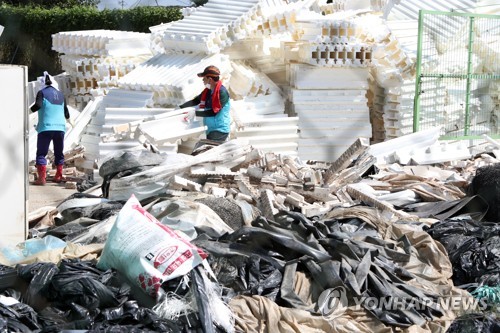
<point>213,105</point>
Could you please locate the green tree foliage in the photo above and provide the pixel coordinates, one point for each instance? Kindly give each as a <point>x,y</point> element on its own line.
<point>27,37</point>
<point>52,3</point>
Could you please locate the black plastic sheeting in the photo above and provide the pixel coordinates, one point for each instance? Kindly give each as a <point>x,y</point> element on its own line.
<point>86,185</point>
<point>77,219</point>
<point>75,295</point>
<point>18,318</point>
<point>71,229</point>
<point>474,206</point>
<point>258,260</point>
<point>99,211</point>
<point>247,275</point>
<point>486,184</point>
<point>475,323</point>
<point>262,260</point>
<point>473,248</point>
<point>8,277</point>
<point>127,164</point>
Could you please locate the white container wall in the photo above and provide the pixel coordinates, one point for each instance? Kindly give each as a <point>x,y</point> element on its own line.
<point>13,169</point>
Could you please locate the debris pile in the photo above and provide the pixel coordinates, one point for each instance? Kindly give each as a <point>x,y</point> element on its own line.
<point>295,224</point>
<point>311,245</point>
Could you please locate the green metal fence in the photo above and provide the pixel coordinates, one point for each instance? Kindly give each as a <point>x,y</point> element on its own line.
<point>458,74</point>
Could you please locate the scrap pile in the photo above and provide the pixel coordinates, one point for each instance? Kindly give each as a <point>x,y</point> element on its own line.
<point>236,239</point>
<point>296,224</point>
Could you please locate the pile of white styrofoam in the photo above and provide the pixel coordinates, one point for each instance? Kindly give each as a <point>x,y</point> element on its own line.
<point>306,78</point>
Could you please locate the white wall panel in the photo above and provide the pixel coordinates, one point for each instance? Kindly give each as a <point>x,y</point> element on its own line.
<point>14,168</point>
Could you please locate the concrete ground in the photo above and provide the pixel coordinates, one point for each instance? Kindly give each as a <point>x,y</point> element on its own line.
<point>51,194</point>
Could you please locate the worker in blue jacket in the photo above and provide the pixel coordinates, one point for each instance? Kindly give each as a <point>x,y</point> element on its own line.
<point>213,105</point>
<point>52,115</point>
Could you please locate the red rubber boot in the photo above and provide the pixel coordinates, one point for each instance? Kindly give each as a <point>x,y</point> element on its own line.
<point>59,175</point>
<point>42,174</point>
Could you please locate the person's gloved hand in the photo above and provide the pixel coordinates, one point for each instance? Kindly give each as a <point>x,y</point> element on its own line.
<point>189,115</point>
<point>71,122</point>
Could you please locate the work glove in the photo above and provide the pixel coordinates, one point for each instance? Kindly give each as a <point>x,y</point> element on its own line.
<point>189,115</point>
<point>71,122</point>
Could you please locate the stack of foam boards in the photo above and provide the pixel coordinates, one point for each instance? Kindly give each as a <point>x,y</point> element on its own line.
<point>101,42</point>
<point>390,61</point>
<point>264,53</point>
<point>272,134</point>
<point>391,64</point>
<point>157,45</point>
<point>392,108</point>
<point>332,107</point>
<point>345,40</point>
<point>398,107</point>
<point>248,82</point>
<point>393,74</point>
<point>328,77</point>
<point>406,32</point>
<point>95,148</point>
<point>101,73</point>
<point>262,121</point>
<point>216,25</point>
<point>259,111</point>
<point>331,41</point>
<point>172,77</point>
<point>322,61</point>
<point>278,19</point>
<point>95,59</point>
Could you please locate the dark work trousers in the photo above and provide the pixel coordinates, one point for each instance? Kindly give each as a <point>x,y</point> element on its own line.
<point>42,147</point>
<point>217,136</point>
